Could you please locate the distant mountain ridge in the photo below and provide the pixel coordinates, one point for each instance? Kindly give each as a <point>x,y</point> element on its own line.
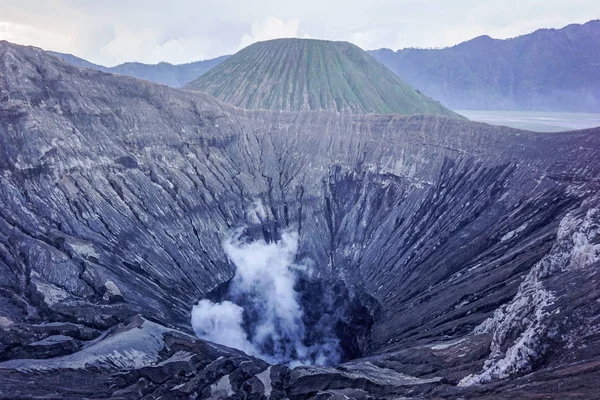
<point>309,74</point>
<point>164,73</point>
<point>547,70</point>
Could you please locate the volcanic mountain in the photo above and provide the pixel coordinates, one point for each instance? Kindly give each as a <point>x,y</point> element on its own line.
<point>306,74</point>
<point>440,257</point>
<point>548,70</point>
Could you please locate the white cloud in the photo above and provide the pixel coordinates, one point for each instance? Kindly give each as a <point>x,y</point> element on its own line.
<point>272,28</point>
<point>30,35</point>
<point>114,31</point>
<point>149,46</point>
<point>368,39</point>
<point>179,51</point>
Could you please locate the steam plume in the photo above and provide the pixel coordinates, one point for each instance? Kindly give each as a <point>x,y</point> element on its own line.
<point>263,316</point>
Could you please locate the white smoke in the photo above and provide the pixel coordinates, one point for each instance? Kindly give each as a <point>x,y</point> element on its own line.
<point>267,320</point>
<point>221,323</point>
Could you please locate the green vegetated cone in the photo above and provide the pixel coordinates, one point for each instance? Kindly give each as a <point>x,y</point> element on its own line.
<point>306,74</point>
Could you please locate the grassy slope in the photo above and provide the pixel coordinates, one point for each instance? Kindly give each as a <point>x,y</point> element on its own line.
<point>303,74</point>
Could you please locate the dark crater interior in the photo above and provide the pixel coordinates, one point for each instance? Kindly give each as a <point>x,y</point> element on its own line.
<point>331,310</point>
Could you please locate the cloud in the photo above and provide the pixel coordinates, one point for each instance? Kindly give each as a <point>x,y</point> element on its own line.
<point>111,31</point>
<point>150,46</point>
<point>25,34</point>
<point>272,28</point>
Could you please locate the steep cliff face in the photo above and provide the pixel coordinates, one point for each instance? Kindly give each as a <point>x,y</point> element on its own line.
<point>306,74</point>
<point>117,195</point>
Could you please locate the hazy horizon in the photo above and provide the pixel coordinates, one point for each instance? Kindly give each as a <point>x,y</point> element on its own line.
<point>110,32</point>
<point>535,121</point>
<point>291,37</point>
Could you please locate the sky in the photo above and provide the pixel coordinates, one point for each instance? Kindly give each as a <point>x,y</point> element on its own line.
<point>111,32</point>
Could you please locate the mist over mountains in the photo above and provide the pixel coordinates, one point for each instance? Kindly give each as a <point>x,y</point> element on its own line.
<point>164,73</point>
<point>548,70</point>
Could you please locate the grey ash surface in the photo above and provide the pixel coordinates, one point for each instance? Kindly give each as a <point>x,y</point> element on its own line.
<point>475,248</point>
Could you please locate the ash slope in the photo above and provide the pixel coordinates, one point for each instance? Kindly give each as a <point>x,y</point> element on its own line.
<point>116,194</point>
<point>306,74</point>
<point>547,70</point>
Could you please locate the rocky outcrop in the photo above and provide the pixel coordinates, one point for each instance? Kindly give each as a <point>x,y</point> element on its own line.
<point>116,195</point>
<point>539,319</point>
